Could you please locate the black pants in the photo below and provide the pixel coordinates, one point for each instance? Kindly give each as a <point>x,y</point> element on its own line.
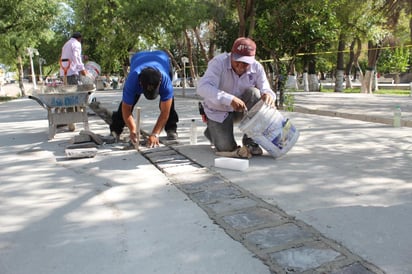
<point>118,122</point>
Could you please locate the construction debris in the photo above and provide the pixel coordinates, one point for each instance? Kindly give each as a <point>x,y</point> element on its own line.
<point>77,139</point>
<point>93,136</point>
<point>84,145</point>
<point>81,153</point>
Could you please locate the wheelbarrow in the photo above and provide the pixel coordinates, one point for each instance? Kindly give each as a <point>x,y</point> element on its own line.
<point>65,107</point>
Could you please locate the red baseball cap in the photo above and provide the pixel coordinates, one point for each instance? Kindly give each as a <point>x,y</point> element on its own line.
<point>244,50</point>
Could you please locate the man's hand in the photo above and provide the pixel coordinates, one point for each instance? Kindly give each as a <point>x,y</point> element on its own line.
<point>238,105</point>
<point>152,141</point>
<point>133,137</point>
<point>269,100</point>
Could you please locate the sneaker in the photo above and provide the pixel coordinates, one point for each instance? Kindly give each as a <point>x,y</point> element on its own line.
<point>171,135</point>
<point>254,148</point>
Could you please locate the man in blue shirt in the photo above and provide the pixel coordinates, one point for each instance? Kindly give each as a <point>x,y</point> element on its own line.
<point>232,84</point>
<point>150,75</point>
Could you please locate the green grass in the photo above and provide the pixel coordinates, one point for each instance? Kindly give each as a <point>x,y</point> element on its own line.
<point>393,92</point>
<point>6,98</point>
<point>401,92</point>
<point>289,99</point>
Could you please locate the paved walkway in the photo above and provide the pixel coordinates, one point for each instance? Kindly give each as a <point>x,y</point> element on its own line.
<point>363,107</point>
<point>338,202</point>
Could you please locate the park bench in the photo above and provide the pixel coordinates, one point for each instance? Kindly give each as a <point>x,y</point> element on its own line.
<point>385,80</point>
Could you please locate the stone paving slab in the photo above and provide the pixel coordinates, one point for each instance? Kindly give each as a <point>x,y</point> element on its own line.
<point>237,211</point>
<point>283,243</point>
<point>362,107</point>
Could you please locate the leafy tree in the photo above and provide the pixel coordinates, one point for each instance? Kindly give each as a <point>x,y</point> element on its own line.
<point>295,30</point>
<point>394,60</point>
<point>24,24</point>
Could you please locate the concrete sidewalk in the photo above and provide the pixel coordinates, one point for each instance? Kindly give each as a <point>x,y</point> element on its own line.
<point>338,202</point>
<point>363,107</point>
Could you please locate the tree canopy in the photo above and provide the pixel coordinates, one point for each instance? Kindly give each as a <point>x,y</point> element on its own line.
<point>302,32</point>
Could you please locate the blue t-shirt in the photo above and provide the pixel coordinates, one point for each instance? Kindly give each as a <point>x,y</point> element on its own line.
<point>154,59</point>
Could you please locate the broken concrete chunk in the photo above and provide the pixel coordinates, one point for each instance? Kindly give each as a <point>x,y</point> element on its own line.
<point>81,153</point>
<point>80,139</point>
<point>82,145</point>
<point>94,137</point>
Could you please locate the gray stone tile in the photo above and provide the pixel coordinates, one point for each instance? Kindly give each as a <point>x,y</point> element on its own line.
<point>232,204</point>
<point>304,258</point>
<point>214,195</point>
<point>181,170</point>
<point>277,236</point>
<point>252,217</point>
<point>199,181</point>
<point>173,163</point>
<point>168,157</point>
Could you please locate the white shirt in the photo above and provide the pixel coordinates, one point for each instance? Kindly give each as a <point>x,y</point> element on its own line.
<point>220,84</point>
<point>72,50</point>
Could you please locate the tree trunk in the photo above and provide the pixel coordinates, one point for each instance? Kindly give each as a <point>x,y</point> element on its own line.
<point>349,66</point>
<point>190,55</point>
<point>367,81</point>
<point>340,66</point>
<point>340,77</point>
<point>305,82</point>
<point>313,77</point>
<point>242,19</point>
<point>202,47</point>
<point>373,53</point>
<point>291,81</point>
<point>212,42</point>
<point>356,59</point>
<point>397,78</point>
<point>246,16</point>
<point>21,76</point>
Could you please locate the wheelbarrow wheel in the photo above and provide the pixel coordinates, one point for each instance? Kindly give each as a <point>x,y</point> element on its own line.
<point>72,127</point>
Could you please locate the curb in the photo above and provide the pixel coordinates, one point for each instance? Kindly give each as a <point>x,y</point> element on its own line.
<point>352,116</point>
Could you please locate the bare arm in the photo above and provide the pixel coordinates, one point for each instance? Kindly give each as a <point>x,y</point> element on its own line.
<point>153,139</point>
<point>129,121</point>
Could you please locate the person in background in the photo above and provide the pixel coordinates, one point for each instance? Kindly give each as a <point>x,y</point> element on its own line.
<point>71,61</point>
<point>232,84</point>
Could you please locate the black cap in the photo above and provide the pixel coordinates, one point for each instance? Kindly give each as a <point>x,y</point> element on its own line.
<point>76,35</point>
<point>150,80</point>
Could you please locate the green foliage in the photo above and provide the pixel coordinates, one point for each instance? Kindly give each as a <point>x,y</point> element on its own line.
<point>289,102</point>
<point>394,60</point>
<point>293,30</point>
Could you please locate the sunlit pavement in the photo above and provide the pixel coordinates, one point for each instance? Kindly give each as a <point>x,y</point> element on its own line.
<point>346,182</point>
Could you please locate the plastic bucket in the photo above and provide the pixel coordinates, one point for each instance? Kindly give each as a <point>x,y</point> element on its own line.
<point>268,128</point>
<point>93,68</point>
